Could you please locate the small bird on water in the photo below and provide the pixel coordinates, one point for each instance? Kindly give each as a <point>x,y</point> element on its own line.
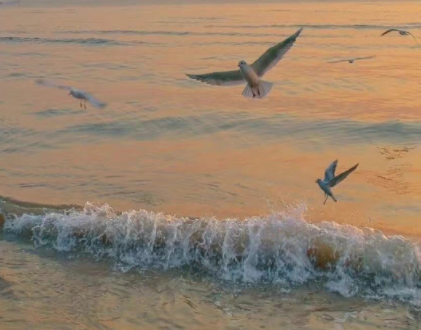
<point>331,180</point>
<point>351,60</point>
<point>401,32</point>
<point>251,74</point>
<point>76,93</point>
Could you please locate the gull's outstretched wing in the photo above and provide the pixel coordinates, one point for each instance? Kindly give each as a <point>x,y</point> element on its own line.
<point>365,58</point>
<point>224,78</point>
<point>388,31</point>
<point>51,84</point>
<point>273,55</point>
<point>352,59</point>
<point>413,37</point>
<point>333,182</point>
<point>338,61</point>
<point>96,103</point>
<point>330,171</point>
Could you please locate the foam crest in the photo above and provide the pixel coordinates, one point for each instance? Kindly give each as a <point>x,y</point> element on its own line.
<point>281,248</point>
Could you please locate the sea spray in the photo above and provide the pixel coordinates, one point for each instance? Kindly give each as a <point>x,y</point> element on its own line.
<point>281,248</point>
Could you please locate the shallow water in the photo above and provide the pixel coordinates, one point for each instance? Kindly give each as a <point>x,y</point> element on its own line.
<point>239,174</point>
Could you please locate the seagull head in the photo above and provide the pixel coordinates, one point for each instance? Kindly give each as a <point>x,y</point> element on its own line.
<point>242,63</point>
<point>318,181</point>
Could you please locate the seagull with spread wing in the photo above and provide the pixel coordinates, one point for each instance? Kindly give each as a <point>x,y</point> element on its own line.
<point>76,93</point>
<point>331,180</point>
<point>251,74</point>
<point>401,32</point>
<point>351,60</point>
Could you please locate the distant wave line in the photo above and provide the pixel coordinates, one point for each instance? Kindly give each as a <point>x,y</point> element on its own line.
<point>80,41</point>
<point>322,26</point>
<point>169,33</point>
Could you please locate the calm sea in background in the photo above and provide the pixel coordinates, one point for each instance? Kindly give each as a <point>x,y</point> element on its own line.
<point>188,206</point>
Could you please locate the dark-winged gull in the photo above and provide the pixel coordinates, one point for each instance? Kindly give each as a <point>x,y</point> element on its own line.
<point>251,74</point>
<point>331,180</point>
<point>351,60</point>
<point>401,32</point>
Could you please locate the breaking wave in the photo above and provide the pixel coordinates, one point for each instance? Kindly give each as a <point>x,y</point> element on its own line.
<point>279,249</point>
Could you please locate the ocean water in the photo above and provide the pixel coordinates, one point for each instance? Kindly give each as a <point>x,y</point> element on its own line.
<point>187,206</point>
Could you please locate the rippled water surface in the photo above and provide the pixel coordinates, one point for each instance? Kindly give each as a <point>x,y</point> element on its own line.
<point>251,242</point>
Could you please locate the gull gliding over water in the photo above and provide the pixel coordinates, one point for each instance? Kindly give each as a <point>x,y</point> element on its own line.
<point>351,60</point>
<point>251,74</point>
<point>401,32</point>
<point>76,93</point>
<point>331,180</point>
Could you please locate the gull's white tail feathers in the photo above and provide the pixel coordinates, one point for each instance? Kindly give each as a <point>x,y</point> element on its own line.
<point>264,88</point>
<point>247,92</point>
<point>259,92</point>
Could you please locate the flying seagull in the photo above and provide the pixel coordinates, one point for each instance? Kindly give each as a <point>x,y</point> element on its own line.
<point>351,60</point>
<point>331,180</point>
<point>76,93</point>
<point>401,32</point>
<point>251,74</point>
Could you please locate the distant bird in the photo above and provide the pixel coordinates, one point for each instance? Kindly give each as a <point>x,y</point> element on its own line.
<point>331,180</point>
<point>401,32</point>
<point>251,74</point>
<point>76,93</point>
<point>351,60</point>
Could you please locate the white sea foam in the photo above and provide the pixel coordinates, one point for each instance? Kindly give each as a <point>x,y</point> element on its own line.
<point>281,248</point>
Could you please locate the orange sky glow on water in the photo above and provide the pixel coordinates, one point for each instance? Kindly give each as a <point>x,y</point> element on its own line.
<point>170,144</point>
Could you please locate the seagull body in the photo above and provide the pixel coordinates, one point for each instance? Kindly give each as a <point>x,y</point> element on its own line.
<point>351,60</point>
<point>401,32</point>
<point>331,180</point>
<point>255,87</point>
<point>251,74</point>
<point>76,93</point>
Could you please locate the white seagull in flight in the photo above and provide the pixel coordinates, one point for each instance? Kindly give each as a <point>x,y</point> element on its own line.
<point>331,180</point>
<point>351,60</point>
<point>251,74</point>
<point>76,93</point>
<point>401,32</point>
